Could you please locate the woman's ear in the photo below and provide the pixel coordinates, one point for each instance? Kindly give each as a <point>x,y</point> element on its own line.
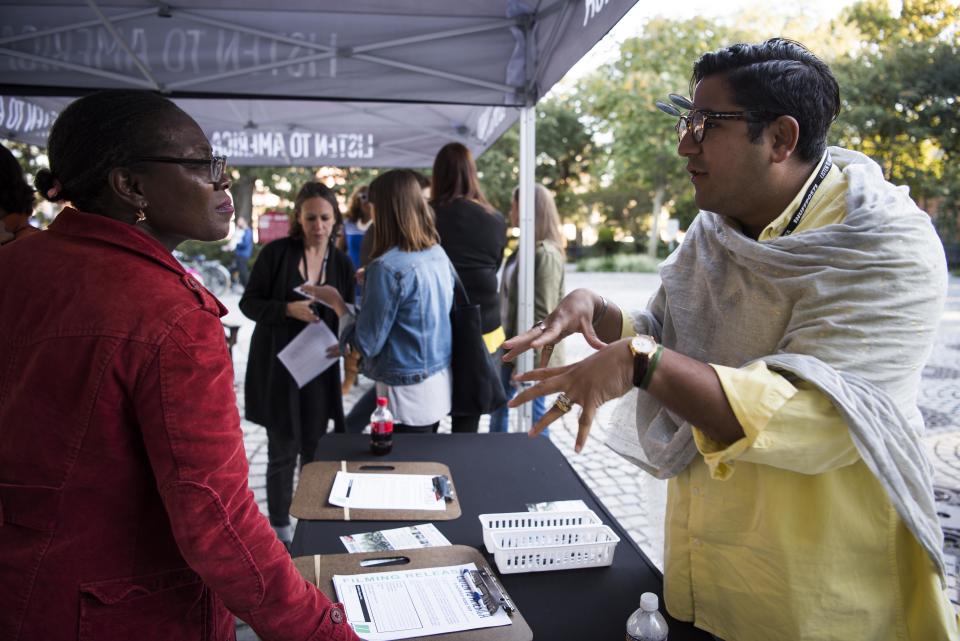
<point>127,187</point>
<point>785,134</point>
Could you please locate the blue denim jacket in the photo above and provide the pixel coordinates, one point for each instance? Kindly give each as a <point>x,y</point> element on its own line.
<point>403,326</point>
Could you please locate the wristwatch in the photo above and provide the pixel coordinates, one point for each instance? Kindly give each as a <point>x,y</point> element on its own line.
<point>646,354</point>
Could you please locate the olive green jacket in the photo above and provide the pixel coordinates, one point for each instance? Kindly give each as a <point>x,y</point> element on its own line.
<point>548,291</point>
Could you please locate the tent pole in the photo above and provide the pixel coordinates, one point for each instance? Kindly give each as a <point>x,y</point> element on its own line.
<point>525,294</point>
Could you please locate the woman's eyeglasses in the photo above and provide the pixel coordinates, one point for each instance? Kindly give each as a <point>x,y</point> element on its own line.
<point>217,164</point>
<point>697,121</point>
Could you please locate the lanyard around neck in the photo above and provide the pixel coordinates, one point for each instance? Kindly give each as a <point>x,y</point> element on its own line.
<point>321,277</point>
<point>808,196</point>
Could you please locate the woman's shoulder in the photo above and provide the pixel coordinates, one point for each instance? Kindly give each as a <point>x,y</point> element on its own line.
<point>279,246</point>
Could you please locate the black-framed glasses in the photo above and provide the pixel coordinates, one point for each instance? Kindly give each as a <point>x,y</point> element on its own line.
<point>217,164</point>
<point>697,121</point>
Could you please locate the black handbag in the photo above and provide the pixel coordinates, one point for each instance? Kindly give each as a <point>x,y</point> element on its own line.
<point>476,382</point>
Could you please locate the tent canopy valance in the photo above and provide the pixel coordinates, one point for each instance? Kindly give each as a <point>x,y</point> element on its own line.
<point>298,82</point>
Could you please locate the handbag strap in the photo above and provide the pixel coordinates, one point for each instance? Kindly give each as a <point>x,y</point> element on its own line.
<point>460,296</point>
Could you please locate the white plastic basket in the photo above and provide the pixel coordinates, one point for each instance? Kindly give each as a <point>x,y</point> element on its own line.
<point>533,520</point>
<point>544,549</point>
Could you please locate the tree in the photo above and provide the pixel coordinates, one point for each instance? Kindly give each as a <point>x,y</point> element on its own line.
<point>901,91</point>
<point>618,98</point>
<point>565,154</point>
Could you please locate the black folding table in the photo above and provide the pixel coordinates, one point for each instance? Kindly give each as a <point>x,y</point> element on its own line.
<point>502,473</point>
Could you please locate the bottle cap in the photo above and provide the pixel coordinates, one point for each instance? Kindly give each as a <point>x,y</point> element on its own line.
<point>381,401</point>
<point>649,602</point>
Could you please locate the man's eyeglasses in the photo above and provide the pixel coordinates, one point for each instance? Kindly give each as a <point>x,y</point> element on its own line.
<point>697,121</point>
<point>217,164</point>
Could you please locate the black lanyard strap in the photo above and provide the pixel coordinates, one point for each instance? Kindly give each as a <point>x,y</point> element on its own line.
<point>808,196</point>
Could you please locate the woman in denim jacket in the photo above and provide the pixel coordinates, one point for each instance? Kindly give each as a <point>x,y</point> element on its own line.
<point>402,329</point>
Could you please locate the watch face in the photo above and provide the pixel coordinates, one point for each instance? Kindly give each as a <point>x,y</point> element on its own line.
<point>643,345</point>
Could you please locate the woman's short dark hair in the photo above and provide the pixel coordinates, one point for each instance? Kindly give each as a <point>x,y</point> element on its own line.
<point>455,176</point>
<point>16,196</point>
<point>97,133</point>
<point>314,190</point>
<point>781,77</point>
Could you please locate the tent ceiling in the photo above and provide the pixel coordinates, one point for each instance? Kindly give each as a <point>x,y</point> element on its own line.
<point>251,70</point>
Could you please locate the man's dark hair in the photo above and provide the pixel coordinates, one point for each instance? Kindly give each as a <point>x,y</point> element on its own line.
<point>781,77</point>
<point>97,133</point>
<point>16,196</point>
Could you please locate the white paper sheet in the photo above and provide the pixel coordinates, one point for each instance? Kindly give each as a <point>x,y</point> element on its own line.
<point>425,535</point>
<point>305,357</point>
<point>385,492</point>
<point>413,603</point>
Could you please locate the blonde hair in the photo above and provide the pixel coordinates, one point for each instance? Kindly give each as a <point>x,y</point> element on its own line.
<point>403,217</point>
<point>546,218</point>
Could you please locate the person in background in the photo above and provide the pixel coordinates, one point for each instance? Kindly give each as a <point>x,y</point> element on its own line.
<point>123,476</point>
<point>243,251</point>
<point>474,235</point>
<point>295,418</point>
<point>359,415</point>
<point>402,329</point>
<point>548,290</point>
<point>16,200</point>
<point>358,221</point>
<point>778,368</point>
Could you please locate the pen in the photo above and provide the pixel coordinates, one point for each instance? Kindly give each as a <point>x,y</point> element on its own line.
<point>349,487</point>
<point>477,595</point>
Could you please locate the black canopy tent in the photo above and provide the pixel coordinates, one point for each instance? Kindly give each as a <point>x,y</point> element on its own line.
<point>311,82</point>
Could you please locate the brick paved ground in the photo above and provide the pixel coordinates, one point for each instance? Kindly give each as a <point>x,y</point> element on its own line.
<point>634,498</point>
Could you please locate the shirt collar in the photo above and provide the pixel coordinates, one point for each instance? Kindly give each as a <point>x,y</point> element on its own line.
<point>777,225</point>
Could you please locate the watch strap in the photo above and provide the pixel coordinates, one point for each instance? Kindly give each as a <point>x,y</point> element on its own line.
<point>650,367</point>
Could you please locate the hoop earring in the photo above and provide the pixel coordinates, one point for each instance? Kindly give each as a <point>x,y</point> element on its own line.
<point>141,216</point>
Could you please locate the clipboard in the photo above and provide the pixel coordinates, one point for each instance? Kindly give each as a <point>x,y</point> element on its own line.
<point>316,480</point>
<point>326,565</point>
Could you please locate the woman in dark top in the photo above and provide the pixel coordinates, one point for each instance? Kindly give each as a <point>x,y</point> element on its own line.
<point>295,418</point>
<point>473,234</point>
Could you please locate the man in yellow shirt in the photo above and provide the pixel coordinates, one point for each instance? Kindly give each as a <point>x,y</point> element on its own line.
<point>777,368</point>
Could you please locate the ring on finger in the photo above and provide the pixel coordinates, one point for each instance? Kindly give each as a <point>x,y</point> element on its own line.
<point>563,403</point>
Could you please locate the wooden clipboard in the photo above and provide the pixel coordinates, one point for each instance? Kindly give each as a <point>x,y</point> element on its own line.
<point>329,564</point>
<point>316,480</point>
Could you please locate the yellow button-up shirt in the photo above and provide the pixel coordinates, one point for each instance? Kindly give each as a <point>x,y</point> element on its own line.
<point>786,534</point>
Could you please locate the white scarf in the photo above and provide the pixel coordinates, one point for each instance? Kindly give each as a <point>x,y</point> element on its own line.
<point>852,308</point>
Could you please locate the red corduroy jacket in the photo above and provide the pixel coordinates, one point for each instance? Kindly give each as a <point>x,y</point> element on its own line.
<point>124,506</point>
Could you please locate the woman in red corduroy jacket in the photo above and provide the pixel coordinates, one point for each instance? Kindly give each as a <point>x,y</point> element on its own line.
<point>124,506</point>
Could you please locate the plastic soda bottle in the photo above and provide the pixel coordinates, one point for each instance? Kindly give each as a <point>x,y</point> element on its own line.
<point>646,623</point>
<point>381,428</point>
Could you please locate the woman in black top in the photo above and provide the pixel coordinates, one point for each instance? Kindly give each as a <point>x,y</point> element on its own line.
<point>295,418</point>
<point>473,234</point>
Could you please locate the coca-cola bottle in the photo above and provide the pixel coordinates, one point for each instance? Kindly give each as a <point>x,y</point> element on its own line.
<point>381,428</point>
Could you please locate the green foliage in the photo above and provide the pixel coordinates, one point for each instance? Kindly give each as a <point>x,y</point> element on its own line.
<point>901,99</point>
<point>565,155</point>
<point>618,263</point>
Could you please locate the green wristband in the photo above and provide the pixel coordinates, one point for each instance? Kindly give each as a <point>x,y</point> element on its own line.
<point>652,365</point>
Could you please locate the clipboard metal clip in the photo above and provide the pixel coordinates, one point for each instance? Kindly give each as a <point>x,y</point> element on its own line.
<point>490,591</point>
<point>442,488</point>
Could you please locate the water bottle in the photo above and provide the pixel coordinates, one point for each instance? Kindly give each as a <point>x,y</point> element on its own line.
<point>646,623</point>
<point>381,428</point>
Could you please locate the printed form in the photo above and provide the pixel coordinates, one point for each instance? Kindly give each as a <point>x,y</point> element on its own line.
<point>385,492</point>
<point>414,603</point>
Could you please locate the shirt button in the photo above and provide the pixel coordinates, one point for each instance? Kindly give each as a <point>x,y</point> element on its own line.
<point>191,283</point>
<point>336,616</point>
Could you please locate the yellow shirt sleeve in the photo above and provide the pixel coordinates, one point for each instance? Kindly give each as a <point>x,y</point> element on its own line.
<point>627,330</point>
<point>791,427</point>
